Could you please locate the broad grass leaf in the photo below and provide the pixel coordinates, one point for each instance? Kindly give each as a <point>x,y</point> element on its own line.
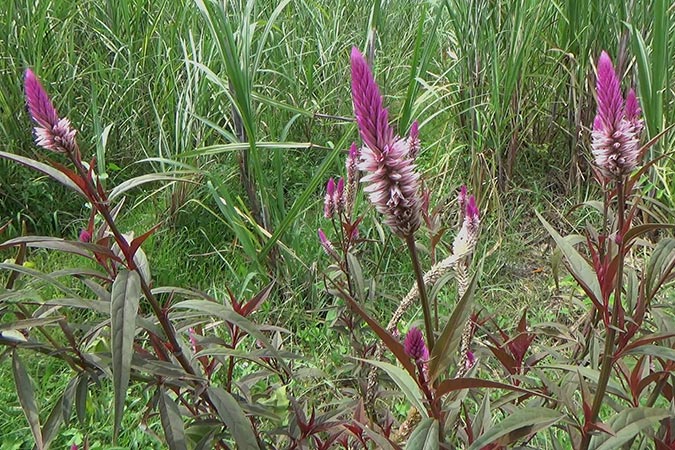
<point>578,266</point>
<point>424,436</point>
<point>126,294</point>
<point>521,423</point>
<point>233,416</point>
<point>446,346</point>
<point>26,393</point>
<point>404,381</point>
<point>172,423</point>
<point>626,425</point>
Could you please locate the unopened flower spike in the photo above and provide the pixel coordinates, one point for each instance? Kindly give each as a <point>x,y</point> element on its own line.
<point>616,127</point>
<point>329,201</point>
<point>392,182</point>
<point>52,132</point>
<point>415,347</point>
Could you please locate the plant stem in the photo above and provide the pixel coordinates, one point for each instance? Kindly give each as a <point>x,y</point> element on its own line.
<point>419,275</point>
<point>607,357</point>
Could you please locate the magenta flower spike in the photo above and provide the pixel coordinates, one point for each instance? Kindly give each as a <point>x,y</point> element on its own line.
<point>616,127</point>
<point>393,183</point>
<point>414,345</point>
<point>339,196</point>
<point>329,201</point>
<point>52,133</point>
<point>414,140</point>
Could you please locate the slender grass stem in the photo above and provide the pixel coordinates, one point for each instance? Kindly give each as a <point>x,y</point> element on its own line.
<point>419,275</point>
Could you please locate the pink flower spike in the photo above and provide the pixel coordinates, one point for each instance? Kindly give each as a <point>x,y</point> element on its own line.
<point>461,198</point>
<point>472,209</point>
<point>40,107</point>
<point>329,201</point>
<point>85,236</point>
<point>414,345</point>
<point>616,127</point>
<point>371,117</point>
<point>326,244</point>
<point>339,196</point>
<point>392,180</point>
<point>52,133</point>
<point>610,100</point>
<point>414,140</point>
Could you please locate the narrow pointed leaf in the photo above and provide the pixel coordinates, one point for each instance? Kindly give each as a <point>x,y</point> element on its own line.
<point>26,393</point>
<point>44,168</point>
<point>126,294</point>
<point>521,423</point>
<point>578,266</point>
<point>404,381</point>
<point>626,425</point>
<point>233,416</point>
<point>446,346</point>
<point>425,436</point>
<point>172,423</point>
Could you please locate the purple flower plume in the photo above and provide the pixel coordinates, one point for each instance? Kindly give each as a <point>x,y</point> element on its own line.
<point>52,132</point>
<point>329,201</point>
<point>414,345</point>
<point>393,183</point>
<point>617,126</point>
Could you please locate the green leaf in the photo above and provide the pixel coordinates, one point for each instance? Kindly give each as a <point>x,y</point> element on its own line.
<point>404,381</point>
<point>659,266</point>
<point>578,266</point>
<point>626,425</point>
<point>232,415</point>
<point>446,346</point>
<point>657,351</point>
<point>126,294</point>
<point>521,423</point>
<point>24,389</point>
<point>425,436</point>
<point>172,423</point>
<point>44,168</point>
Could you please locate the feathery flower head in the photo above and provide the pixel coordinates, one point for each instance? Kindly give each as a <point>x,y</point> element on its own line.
<point>329,201</point>
<point>616,127</point>
<point>52,132</point>
<point>392,180</point>
<point>414,345</point>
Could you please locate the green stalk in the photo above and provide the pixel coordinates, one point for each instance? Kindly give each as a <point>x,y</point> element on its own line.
<point>607,357</point>
<point>419,275</point>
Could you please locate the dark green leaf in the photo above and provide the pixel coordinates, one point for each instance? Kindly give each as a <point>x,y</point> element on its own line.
<point>126,294</point>
<point>232,415</point>
<point>424,436</point>
<point>404,381</point>
<point>521,423</point>
<point>578,266</point>
<point>172,423</point>
<point>24,389</point>
<point>446,345</point>
<point>626,425</point>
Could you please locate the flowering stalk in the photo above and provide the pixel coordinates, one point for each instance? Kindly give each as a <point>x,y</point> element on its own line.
<point>615,145</point>
<point>392,181</point>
